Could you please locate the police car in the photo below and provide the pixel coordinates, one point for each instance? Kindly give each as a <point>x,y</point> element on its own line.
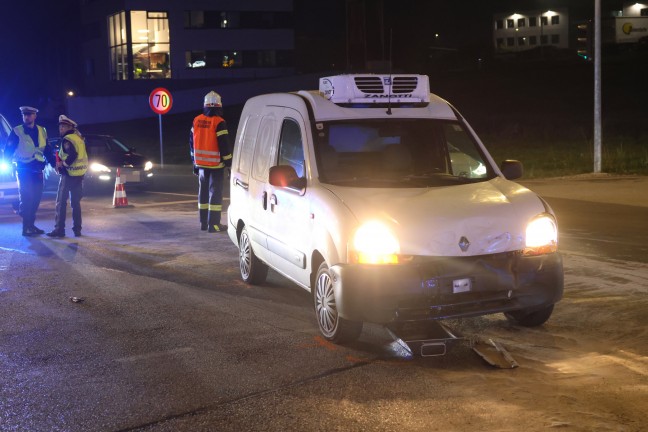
<point>8,184</point>
<point>379,198</point>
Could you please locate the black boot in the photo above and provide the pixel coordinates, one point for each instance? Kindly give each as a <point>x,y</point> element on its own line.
<point>37,230</point>
<point>56,233</point>
<point>29,232</point>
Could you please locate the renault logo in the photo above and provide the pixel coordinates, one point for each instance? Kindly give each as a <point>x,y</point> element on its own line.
<point>464,244</point>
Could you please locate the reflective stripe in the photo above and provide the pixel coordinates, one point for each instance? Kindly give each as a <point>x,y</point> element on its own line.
<point>215,207</point>
<point>223,132</point>
<point>228,157</point>
<point>203,206</point>
<point>208,159</point>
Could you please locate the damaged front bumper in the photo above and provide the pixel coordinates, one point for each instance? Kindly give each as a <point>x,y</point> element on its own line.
<point>447,287</point>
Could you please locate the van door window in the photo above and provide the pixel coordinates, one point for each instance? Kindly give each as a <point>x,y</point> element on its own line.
<point>263,149</point>
<point>247,144</point>
<point>291,151</point>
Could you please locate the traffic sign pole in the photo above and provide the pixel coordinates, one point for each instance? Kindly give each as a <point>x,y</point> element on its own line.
<point>160,101</point>
<point>161,151</point>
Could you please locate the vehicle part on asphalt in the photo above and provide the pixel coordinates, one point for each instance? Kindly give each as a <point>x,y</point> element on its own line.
<point>494,354</point>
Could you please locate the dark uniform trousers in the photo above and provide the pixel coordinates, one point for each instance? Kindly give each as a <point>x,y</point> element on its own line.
<point>30,189</point>
<point>71,186</point>
<point>210,195</point>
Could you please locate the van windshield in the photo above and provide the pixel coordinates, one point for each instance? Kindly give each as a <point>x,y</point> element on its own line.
<point>398,153</point>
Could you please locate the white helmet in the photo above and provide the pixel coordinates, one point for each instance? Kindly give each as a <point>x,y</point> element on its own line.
<point>212,99</point>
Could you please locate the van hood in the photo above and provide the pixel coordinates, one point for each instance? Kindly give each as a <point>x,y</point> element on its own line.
<point>462,220</point>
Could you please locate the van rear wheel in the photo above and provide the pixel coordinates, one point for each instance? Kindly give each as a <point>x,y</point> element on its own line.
<point>333,327</point>
<point>253,270</point>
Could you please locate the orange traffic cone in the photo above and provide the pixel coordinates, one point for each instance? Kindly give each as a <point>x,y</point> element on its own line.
<point>119,197</point>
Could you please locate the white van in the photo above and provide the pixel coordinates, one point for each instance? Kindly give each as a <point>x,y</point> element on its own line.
<point>378,198</point>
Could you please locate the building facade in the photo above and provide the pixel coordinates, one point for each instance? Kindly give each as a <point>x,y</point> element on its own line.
<point>628,25</point>
<point>525,30</point>
<point>126,42</point>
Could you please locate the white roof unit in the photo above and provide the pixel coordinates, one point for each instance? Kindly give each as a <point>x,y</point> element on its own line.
<point>376,89</point>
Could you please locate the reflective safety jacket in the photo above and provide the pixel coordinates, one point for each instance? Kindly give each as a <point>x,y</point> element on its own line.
<point>206,151</point>
<point>27,151</point>
<point>79,166</point>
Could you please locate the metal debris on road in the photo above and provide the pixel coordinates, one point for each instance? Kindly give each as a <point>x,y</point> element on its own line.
<point>494,354</point>
<point>76,299</point>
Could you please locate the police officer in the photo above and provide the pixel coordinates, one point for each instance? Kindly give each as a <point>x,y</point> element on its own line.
<point>211,153</point>
<point>71,164</point>
<point>27,147</point>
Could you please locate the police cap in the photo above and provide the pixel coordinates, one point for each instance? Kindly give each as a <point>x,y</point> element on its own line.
<point>67,121</point>
<point>28,110</point>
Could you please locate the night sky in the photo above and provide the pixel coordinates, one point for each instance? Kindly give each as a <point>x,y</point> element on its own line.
<point>38,39</point>
<point>39,52</point>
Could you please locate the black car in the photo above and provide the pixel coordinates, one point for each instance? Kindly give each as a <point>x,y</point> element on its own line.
<point>106,154</point>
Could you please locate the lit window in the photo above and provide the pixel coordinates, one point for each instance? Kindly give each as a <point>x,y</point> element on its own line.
<point>150,45</point>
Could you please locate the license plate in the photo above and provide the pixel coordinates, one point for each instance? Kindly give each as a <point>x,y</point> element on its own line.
<point>461,285</point>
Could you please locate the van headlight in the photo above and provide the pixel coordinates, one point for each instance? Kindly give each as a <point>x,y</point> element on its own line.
<point>148,166</point>
<point>541,235</point>
<point>99,168</point>
<point>374,243</point>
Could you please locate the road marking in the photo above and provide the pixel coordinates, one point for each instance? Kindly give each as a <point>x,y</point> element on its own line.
<point>154,355</point>
<point>159,204</point>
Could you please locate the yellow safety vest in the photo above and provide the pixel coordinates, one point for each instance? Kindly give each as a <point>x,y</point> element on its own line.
<point>27,150</point>
<point>80,164</point>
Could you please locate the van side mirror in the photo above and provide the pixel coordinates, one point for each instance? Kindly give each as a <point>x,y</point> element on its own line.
<point>512,169</point>
<point>286,176</point>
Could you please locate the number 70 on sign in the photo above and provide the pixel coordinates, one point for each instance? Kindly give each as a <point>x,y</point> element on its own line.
<point>160,100</point>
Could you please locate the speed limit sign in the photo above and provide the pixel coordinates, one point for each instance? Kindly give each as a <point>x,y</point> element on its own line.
<point>160,100</point>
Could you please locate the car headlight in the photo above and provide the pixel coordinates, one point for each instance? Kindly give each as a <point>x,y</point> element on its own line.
<point>148,166</point>
<point>97,167</point>
<point>374,243</point>
<point>541,235</point>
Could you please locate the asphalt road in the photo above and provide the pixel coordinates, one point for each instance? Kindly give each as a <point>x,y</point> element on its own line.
<point>166,337</point>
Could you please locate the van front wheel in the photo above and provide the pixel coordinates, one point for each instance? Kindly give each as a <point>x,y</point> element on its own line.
<point>253,270</point>
<point>333,327</point>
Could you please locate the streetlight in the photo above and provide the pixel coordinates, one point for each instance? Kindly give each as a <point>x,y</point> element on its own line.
<point>597,86</point>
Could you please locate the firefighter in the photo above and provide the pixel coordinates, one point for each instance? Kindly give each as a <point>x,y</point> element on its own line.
<point>29,150</point>
<point>71,164</point>
<point>211,153</point>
